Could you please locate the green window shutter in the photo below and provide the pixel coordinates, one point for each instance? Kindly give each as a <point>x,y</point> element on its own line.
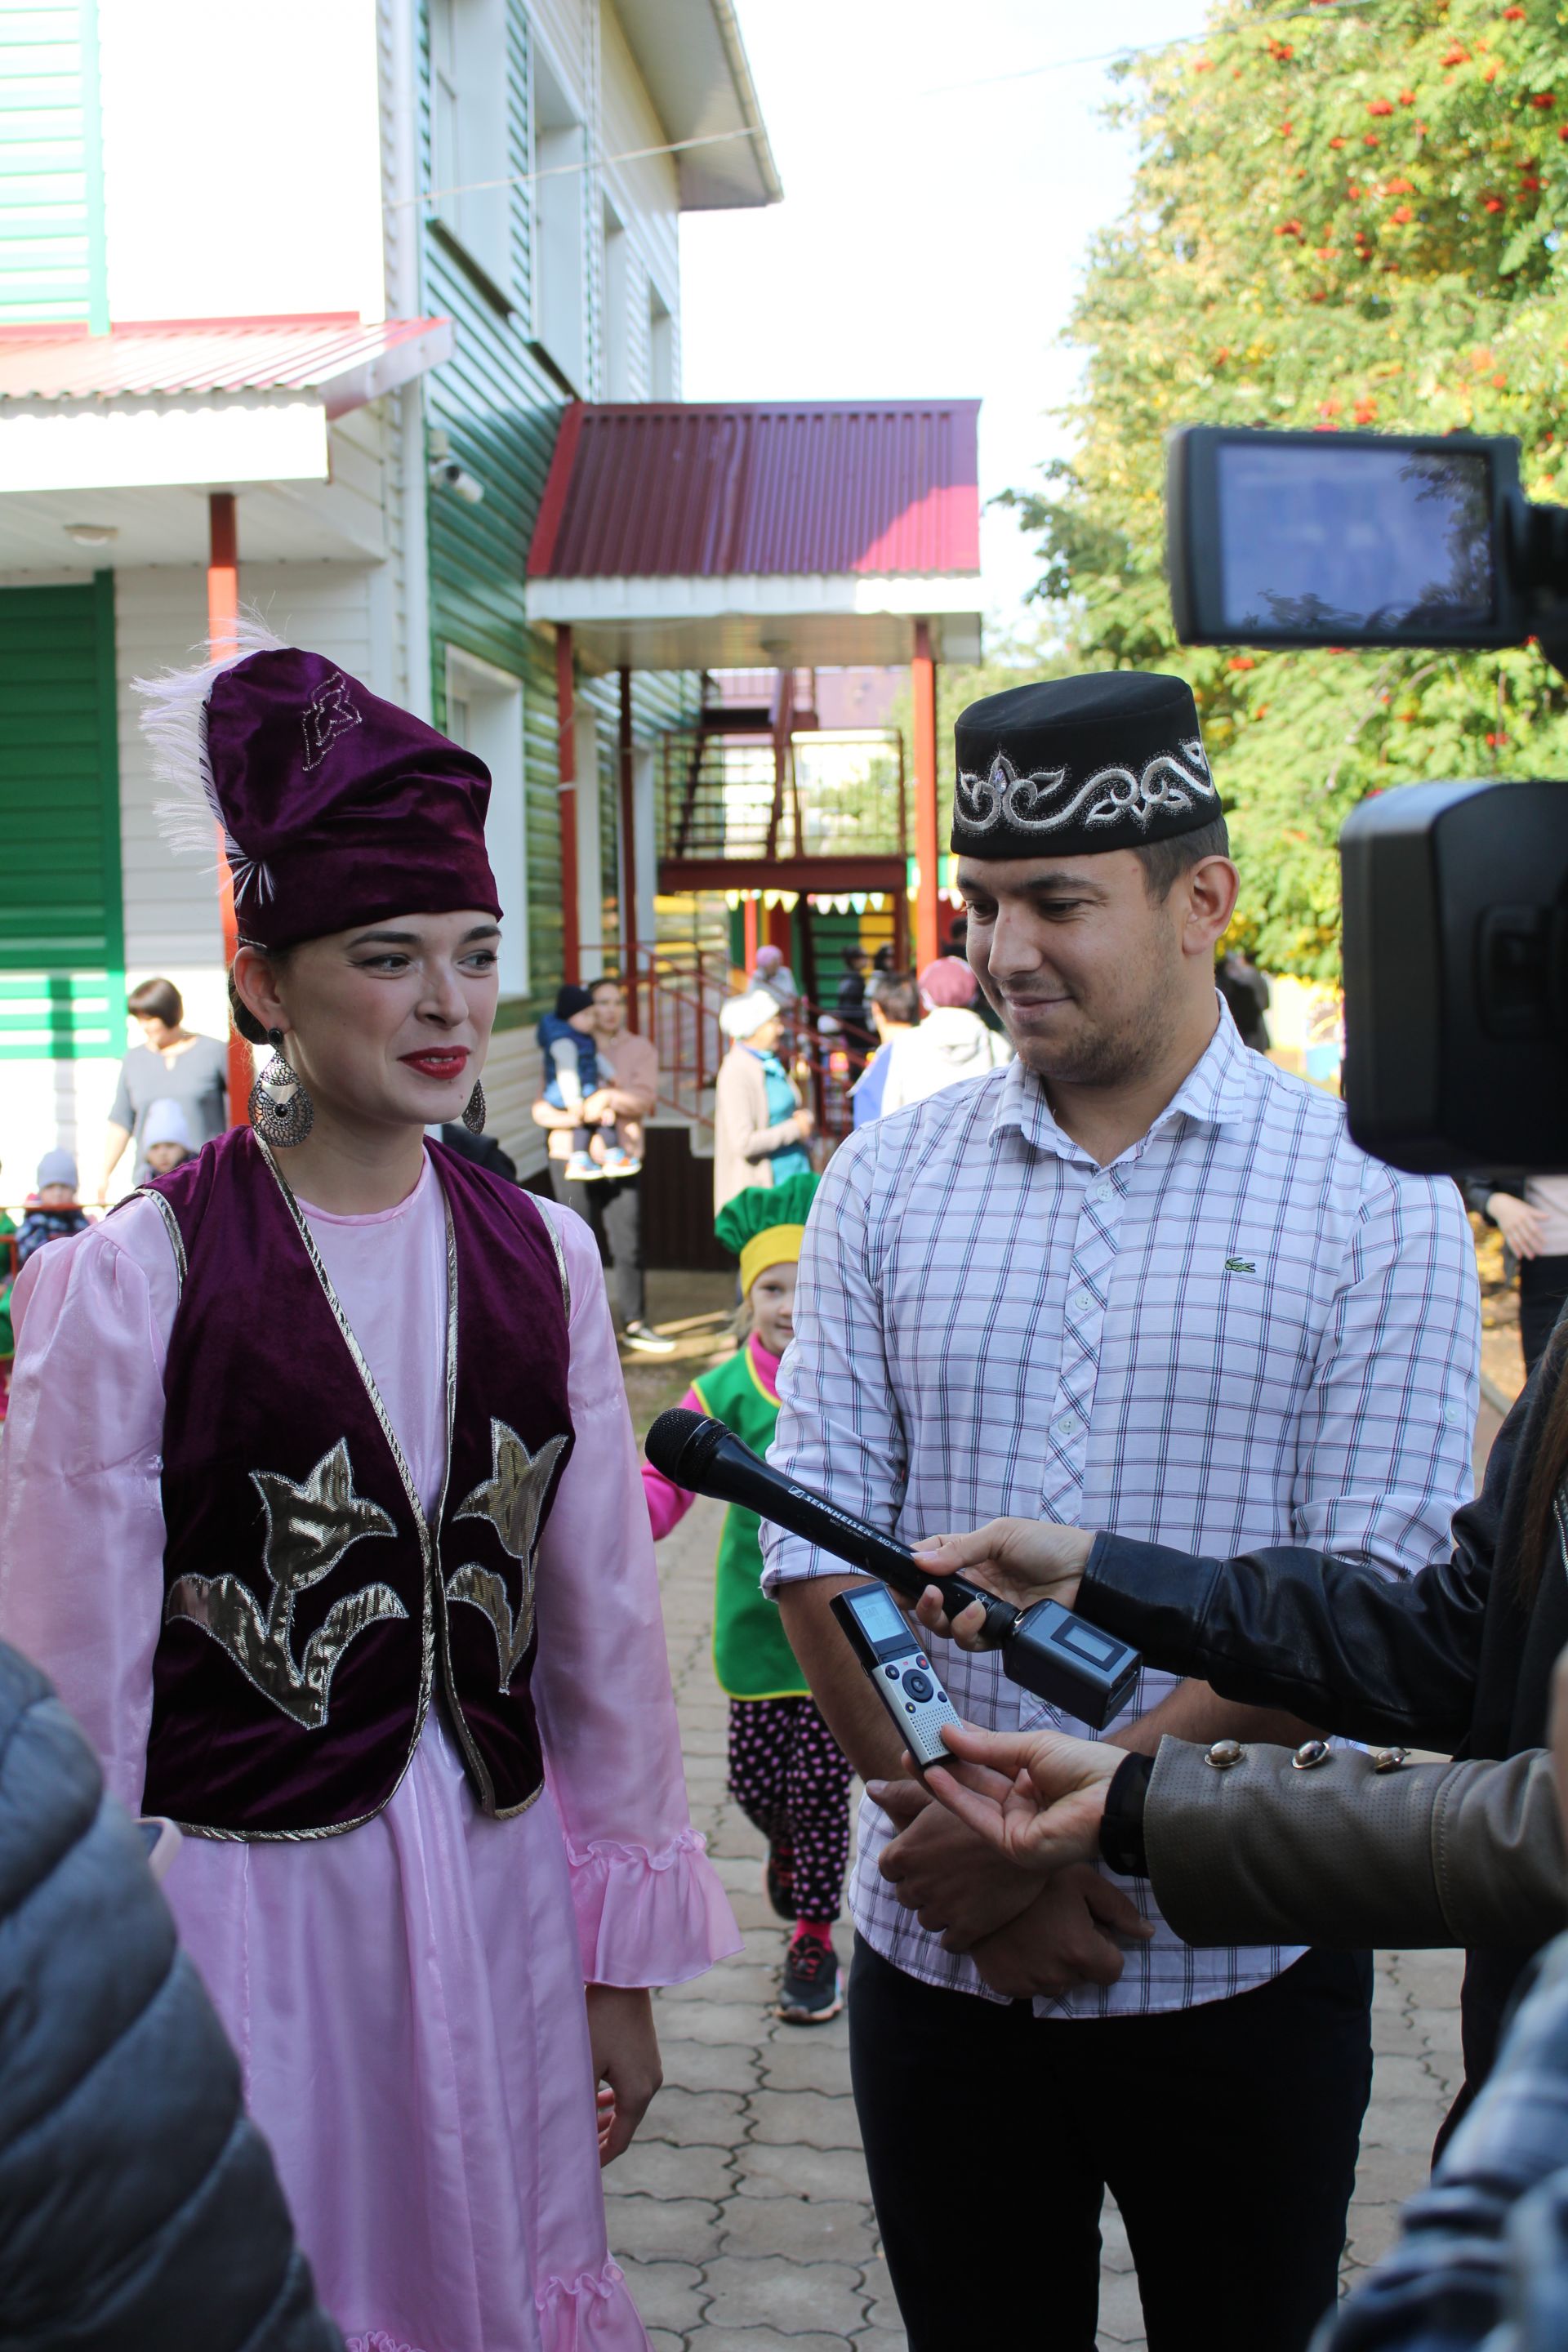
<point>51,166</point>
<point>62,956</point>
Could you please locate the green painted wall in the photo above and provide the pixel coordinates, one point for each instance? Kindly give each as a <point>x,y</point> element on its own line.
<point>501,410</point>
<point>62,947</point>
<point>51,166</point>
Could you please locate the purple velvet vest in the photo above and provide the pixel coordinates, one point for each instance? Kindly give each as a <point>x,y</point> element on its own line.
<point>308,1606</point>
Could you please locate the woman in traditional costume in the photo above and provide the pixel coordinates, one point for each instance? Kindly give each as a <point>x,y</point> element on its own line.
<point>320,1505</point>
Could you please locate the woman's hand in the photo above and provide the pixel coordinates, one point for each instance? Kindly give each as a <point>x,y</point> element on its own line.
<point>1517,1222</point>
<point>1035,1797</point>
<point>1023,1559</point>
<point>626,2056</point>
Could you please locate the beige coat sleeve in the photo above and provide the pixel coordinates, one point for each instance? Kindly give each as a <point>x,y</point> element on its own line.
<point>1443,1853</point>
<point>743,1139</point>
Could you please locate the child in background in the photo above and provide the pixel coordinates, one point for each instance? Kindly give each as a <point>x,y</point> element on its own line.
<point>787,1771</point>
<point>572,1074</point>
<point>165,1138</point>
<point>52,1214</point>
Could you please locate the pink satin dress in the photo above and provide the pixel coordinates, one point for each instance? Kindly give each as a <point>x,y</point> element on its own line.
<point>406,1999</point>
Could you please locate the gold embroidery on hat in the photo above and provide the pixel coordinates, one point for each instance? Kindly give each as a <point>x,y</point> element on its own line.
<point>310,1527</point>
<point>511,1498</point>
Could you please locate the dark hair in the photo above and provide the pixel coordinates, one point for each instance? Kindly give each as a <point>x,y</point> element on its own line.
<point>1164,862</point>
<point>896,997</point>
<point>157,1000</point>
<point>605,980</point>
<point>852,956</point>
<point>1540,1532</point>
<point>240,1014</point>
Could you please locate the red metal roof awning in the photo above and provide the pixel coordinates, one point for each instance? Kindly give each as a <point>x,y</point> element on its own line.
<point>662,489</point>
<point>676,534</point>
<point>334,355</point>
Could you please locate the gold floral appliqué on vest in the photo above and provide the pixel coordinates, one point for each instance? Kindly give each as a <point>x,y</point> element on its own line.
<point>511,1498</point>
<point>310,1527</point>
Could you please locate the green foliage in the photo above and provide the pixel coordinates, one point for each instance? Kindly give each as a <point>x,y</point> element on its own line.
<point>1338,218</point>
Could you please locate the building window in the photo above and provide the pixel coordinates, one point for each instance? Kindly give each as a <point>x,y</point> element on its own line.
<point>484,714</point>
<point>559,155</point>
<point>619,373</point>
<point>467,132</point>
<point>661,382</point>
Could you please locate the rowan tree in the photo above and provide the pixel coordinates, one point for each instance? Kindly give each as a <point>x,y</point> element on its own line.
<point>1345,216</point>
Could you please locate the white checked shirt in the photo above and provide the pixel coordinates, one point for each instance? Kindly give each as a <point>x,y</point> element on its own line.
<point>1241,1332</point>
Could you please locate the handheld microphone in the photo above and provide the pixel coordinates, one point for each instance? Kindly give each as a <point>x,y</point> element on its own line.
<point>1045,1648</point>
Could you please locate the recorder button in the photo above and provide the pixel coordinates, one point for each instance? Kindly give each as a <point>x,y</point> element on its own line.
<point>919,1686</point>
<point>891,1673</point>
<point>908,1706</point>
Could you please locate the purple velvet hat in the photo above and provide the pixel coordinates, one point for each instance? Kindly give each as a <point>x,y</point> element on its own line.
<point>336,807</point>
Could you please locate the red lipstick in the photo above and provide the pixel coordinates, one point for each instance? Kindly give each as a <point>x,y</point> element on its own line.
<point>437,1061</point>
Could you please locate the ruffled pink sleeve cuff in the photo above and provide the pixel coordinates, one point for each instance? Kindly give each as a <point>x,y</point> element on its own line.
<point>645,1918</point>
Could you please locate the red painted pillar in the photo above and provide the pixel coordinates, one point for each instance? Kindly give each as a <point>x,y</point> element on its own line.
<point>628,852</point>
<point>927,848</point>
<point>223,638</point>
<point>750,910</point>
<point>566,721</point>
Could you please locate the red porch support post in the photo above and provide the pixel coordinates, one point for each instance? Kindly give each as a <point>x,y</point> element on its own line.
<point>628,852</point>
<point>223,638</point>
<point>566,721</point>
<point>922,680</point>
<point>750,908</point>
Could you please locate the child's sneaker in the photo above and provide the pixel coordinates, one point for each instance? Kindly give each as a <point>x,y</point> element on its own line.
<point>812,1988</point>
<point>619,1162</point>
<point>582,1170</point>
<point>778,1877</point>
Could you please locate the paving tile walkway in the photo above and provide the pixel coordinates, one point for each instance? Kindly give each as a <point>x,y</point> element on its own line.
<point>742,2214</point>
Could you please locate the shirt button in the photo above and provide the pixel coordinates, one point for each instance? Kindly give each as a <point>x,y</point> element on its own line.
<point>1100,1192</point>
<point>1067,1425</point>
<point>1082,1300</point>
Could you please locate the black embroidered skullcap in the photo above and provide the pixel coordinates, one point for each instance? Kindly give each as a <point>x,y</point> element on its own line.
<point>1070,766</point>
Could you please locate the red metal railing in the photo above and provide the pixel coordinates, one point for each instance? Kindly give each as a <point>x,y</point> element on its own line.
<point>677,996</point>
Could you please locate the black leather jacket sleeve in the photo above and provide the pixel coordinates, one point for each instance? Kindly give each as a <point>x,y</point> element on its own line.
<point>1334,1640</point>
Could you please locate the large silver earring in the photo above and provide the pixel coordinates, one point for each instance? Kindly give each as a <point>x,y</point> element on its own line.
<point>474,1110</point>
<point>282,1112</point>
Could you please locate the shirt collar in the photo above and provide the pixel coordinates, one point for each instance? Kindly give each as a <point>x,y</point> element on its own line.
<point>1218,1088</point>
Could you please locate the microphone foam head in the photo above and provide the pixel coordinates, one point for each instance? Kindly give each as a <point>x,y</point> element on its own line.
<point>677,1440</point>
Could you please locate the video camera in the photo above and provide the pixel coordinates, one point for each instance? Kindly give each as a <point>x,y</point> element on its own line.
<point>1456,895</point>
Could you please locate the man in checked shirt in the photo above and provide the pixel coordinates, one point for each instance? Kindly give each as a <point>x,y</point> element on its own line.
<point>1140,1279</point>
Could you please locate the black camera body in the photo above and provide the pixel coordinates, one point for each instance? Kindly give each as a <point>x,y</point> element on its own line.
<point>1456,895</point>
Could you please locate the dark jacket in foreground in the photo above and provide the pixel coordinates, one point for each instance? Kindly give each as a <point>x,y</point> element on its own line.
<point>1453,1659</point>
<point>138,2203</point>
<point>1486,2246</point>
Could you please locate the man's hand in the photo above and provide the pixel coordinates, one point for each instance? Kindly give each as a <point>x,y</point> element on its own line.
<point>1067,1937</point>
<point>1023,1559</point>
<point>1035,1797</point>
<point>955,1885</point>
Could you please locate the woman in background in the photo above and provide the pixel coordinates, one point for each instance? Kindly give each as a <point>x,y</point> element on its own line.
<point>173,1064</point>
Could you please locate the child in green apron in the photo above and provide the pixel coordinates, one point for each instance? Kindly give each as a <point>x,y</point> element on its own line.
<point>787,1772</point>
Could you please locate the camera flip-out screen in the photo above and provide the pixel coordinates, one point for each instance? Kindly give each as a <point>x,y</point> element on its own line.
<point>1304,539</point>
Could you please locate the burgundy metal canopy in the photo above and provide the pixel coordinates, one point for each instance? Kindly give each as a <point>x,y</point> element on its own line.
<point>667,490</point>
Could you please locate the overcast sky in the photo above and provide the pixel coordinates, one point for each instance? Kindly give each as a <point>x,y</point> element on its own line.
<point>940,191</point>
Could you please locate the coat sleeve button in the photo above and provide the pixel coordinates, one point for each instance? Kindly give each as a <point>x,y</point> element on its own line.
<point>1224,1753</point>
<point>1389,1760</point>
<point>1312,1752</point>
